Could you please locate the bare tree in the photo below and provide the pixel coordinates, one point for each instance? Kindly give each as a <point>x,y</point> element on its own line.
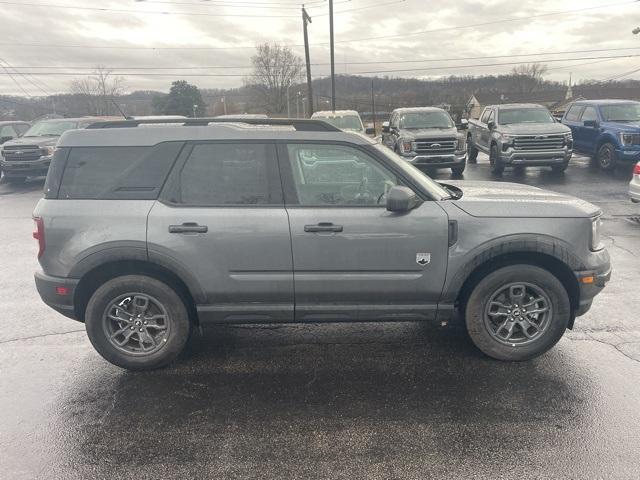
<point>275,68</point>
<point>529,77</point>
<point>99,91</point>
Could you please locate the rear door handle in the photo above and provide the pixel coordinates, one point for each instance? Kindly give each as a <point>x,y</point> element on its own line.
<point>323,227</point>
<point>189,227</point>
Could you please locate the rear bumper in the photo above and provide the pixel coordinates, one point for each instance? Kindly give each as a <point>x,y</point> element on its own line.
<point>32,168</point>
<point>591,284</point>
<point>438,161</point>
<point>50,292</point>
<point>535,158</point>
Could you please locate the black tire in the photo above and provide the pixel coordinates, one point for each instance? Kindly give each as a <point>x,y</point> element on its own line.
<point>560,168</point>
<point>481,301</point>
<point>168,346</point>
<point>458,171</point>
<point>606,157</point>
<point>15,180</point>
<point>472,152</point>
<point>497,167</point>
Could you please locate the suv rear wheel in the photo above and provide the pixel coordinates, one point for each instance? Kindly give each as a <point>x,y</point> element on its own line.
<point>517,312</point>
<point>606,157</point>
<point>137,322</point>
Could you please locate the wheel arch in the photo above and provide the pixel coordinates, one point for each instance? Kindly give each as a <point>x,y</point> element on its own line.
<point>552,264</point>
<point>605,138</point>
<point>92,279</point>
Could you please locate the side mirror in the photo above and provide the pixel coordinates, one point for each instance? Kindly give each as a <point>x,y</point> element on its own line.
<point>491,125</point>
<point>591,123</point>
<point>464,124</point>
<point>5,139</point>
<point>401,199</point>
<point>370,131</point>
<point>385,127</point>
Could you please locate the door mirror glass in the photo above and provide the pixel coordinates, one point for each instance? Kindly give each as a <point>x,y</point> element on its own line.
<point>591,123</point>
<point>385,127</point>
<point>491,125</point>
<point>370,131</point>
<point>464,124</point>
<point>401,199</point>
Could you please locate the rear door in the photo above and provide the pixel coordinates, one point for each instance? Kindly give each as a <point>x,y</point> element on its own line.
<point>221,222</point>
<point>353,259</point>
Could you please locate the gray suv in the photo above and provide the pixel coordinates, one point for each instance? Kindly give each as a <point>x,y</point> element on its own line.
<point>147,231</point>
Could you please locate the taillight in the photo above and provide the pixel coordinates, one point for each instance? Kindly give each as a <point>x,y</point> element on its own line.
<point>38,234</point>
<point>636,169</point>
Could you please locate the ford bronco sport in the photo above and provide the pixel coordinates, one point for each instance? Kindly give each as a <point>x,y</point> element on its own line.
<point>147,229</point>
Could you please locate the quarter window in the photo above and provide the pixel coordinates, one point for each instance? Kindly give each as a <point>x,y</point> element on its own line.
<point>338,176</point>
<point>230,174</point>
<point>574,113</point>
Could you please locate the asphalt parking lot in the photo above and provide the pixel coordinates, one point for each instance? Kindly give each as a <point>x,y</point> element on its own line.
<point>375,401</point>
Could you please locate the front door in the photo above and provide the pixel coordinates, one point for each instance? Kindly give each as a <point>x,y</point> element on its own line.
<point>587,134</point>
<point>353,259</point>
<point>221,223</point>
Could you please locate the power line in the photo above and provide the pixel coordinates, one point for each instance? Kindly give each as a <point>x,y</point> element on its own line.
<point>422,69</point>
<point>376,62</point>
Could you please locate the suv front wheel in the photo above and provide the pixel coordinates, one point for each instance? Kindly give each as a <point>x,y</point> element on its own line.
<point>517,312</point>
<point>606,157</point>
<point>137,322</point>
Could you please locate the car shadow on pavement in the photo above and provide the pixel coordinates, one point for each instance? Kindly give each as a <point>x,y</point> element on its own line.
<point>312,396</point>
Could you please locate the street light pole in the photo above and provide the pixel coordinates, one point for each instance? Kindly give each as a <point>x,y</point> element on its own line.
<point>307,19</point>
<point>195,107</point>
<point>333,62</point>
<point>288,100</point>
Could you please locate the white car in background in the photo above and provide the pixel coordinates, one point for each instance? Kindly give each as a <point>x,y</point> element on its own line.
<point>347,120</point>
<point>634,186</point>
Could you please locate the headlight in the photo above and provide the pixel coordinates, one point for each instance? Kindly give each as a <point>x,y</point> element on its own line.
<point>48,151</point>
<point>595,234</point>
<point>628,138</point>
<point>406,147</point>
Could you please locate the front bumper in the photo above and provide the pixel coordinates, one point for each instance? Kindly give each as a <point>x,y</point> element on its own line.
<point>535,157</point>
<point>437,161</point>
<point>57,293</point>
<point>30,168</point>
<point>629,154</point>
<point>591,283</point>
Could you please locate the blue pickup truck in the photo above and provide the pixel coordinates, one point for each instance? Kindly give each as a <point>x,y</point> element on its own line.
<point>607,130</point>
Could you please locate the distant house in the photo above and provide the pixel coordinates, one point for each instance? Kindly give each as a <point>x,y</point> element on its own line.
<point>555,100</point>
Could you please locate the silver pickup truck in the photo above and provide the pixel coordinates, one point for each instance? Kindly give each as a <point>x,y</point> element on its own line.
<point>519,135</point>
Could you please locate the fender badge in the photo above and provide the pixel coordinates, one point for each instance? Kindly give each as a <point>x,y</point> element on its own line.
<point>423,258</point>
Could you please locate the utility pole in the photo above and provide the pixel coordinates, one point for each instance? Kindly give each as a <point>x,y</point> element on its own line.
<point>373,105</point>
<point>288,100</point>
<point>224,105</point>
<point>333,60</point>
<point>307,19</point>
<point>195,107</point>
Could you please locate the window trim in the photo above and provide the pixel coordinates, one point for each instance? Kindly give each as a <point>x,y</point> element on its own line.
<point>288,183</point>
<point>171,189</point>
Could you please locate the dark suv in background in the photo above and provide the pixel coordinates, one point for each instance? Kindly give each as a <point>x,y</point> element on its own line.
<point>30,155</point>
<point>10,130</point>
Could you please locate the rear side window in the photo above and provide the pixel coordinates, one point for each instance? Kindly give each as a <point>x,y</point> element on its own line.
<point>117,173</point>
<point>217,174</point>
<point>574,113</point>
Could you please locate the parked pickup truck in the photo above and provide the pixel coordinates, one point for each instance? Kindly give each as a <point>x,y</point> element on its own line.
<point>607,130</point>
<point>427,137</point>
<point>519,135</point>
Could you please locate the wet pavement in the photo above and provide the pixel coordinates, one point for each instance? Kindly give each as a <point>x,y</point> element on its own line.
<point>397,400</point>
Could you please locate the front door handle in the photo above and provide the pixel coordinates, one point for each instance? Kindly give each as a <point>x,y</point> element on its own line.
<point>188,227</point>
<point>323,227</point>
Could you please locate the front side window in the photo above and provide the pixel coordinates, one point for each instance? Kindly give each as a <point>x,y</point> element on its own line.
<point>589,114</point>
<point>336,175</point>
<point>628,112</point>
<point>433,119</point>
<point>50,129</point>
<point>218,174</point>
<point>574,113</point>
<point>485,115</point>
<point>524,115</point>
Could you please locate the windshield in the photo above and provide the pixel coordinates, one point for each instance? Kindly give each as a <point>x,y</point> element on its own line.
<point>524,115</point>
<point>350,122</point>
<point>434,189</point>
<point>50,129</point>
<point>426,120</point>
<point>626,112</point>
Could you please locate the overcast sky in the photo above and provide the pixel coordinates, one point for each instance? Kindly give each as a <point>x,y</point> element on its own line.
<point>143,40</point>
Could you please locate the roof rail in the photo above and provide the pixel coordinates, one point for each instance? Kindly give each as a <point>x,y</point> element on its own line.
<point>302,125</point>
